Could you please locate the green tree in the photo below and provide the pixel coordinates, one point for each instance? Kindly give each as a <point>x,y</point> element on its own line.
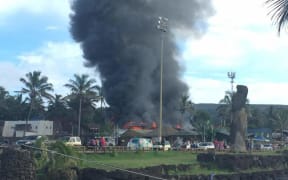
<point>11,107</point>
<point>37,88</point>
<point>58,157</point>
<point>60,114</point>
<point>202,123</point>
<point>3,104</point>
<point>186,106</point>
<point>280,119</point>
<point>279,12</point>
<point>224,109</point>
<point>16,107</point>
<point>83,90</point>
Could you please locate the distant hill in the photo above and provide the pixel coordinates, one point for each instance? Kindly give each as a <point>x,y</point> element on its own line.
<point>211,108</point>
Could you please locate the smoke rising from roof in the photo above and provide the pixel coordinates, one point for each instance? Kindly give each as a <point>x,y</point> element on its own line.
<point>120,39</point>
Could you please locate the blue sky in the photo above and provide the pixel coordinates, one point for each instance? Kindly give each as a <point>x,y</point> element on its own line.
<point>240,38</point>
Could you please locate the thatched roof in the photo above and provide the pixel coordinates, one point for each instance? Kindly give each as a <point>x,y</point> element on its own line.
<point>136,133</point>
<point>166,131</point>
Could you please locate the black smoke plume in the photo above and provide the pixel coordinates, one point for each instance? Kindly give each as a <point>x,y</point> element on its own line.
<point>120,39</point>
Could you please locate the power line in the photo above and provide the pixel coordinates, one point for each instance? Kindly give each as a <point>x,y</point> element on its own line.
<point>101,164</point>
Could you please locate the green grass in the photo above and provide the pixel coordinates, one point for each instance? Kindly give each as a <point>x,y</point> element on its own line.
<point>138,159</point>
<point>145,159</point>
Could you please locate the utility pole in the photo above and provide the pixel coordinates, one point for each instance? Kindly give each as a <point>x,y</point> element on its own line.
<point>163,27</point>
<point>232,76</point>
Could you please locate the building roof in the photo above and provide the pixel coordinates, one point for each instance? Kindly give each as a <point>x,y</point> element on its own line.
<point>166,131</point>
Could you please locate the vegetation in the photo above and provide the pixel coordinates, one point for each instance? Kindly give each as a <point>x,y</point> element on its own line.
<point>58,157</point>
<point>138,160</point>
<point>186,108</point>
<point>84,91</point>
<point>126,160</point>
<point>278,11</point>
<point>203,124</point>
<point>37,88</point>
<point>35,101</point>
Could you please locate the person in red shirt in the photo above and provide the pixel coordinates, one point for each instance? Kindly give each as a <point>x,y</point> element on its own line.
<point>103,142</point>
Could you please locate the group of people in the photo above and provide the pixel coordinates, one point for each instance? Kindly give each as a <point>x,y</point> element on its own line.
<point>219,145</point>
<point>99,142</point>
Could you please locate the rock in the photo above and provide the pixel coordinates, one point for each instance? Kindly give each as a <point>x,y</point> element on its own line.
<point>239,120</point>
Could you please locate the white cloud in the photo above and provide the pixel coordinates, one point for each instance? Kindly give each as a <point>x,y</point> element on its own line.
<point>10,76</point>
<point>60,8</point>
<point>238,29</point>
<point>52,28</point>
<point>268,92</point>
<point>56,60</point>
<point>240,37</point>
<point>204,90</point>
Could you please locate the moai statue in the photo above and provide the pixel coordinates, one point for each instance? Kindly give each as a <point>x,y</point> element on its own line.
<point>239,120</point>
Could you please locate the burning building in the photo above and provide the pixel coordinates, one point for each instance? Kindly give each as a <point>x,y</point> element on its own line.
<point>120,40</point>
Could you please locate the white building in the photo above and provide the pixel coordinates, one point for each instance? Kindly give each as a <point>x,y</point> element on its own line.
<point>17,128</point>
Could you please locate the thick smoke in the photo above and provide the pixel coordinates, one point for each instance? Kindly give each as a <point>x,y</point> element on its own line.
<point>120,39</point>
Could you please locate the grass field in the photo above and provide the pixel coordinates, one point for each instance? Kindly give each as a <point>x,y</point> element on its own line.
<point>138,159</point>
<point>125,160</point>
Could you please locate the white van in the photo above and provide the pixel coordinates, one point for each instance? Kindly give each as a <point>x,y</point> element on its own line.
<point>140,144</point>
<point>72,140</point>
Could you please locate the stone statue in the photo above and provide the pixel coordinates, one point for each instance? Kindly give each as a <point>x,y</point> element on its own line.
<point>239,119</point>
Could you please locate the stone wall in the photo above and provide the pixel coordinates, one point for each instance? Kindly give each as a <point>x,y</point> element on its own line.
<point>19,165</point>
<point>16,165</point>
<point>91,174</point>
<point>236,162</point>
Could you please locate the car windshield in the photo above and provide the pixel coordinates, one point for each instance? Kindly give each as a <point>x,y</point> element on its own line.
<point>31,137</point>
<point>65,138</point>
<point>135,141</point>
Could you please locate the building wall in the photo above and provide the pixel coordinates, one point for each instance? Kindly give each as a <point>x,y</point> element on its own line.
<point>41,127</point>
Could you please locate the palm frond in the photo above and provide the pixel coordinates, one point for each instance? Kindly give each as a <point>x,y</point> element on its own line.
<point>278,12</point>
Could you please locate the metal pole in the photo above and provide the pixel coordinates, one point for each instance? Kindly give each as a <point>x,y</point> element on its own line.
<point>231,75</point>
<point>79,116</point>
<point>161,88</point>
<point>162,26</point>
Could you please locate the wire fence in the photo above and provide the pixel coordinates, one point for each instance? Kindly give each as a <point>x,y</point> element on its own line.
<point>95,162</point>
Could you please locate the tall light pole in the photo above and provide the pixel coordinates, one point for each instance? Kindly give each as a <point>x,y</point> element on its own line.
<point>232,76</point>
<point>163,27</point>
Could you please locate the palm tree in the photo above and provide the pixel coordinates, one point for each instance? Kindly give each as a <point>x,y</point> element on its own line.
<point>224,109</point>
<point>37,88</point>
<point>279,12</point>
<point>3,102</point>
<point>202,123</point>
<point>185,106</point>
<point>17,107</point>
<point>84,89</point>
<point>58,112</point>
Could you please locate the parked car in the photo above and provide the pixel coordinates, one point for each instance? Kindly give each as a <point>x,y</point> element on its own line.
<point>4,142</point>
<point>72,140</point>
<point>267,147</point>
<point>140,144</point>
<point>162,146</point>
<point>28,140</point>
<point>206,145</point>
